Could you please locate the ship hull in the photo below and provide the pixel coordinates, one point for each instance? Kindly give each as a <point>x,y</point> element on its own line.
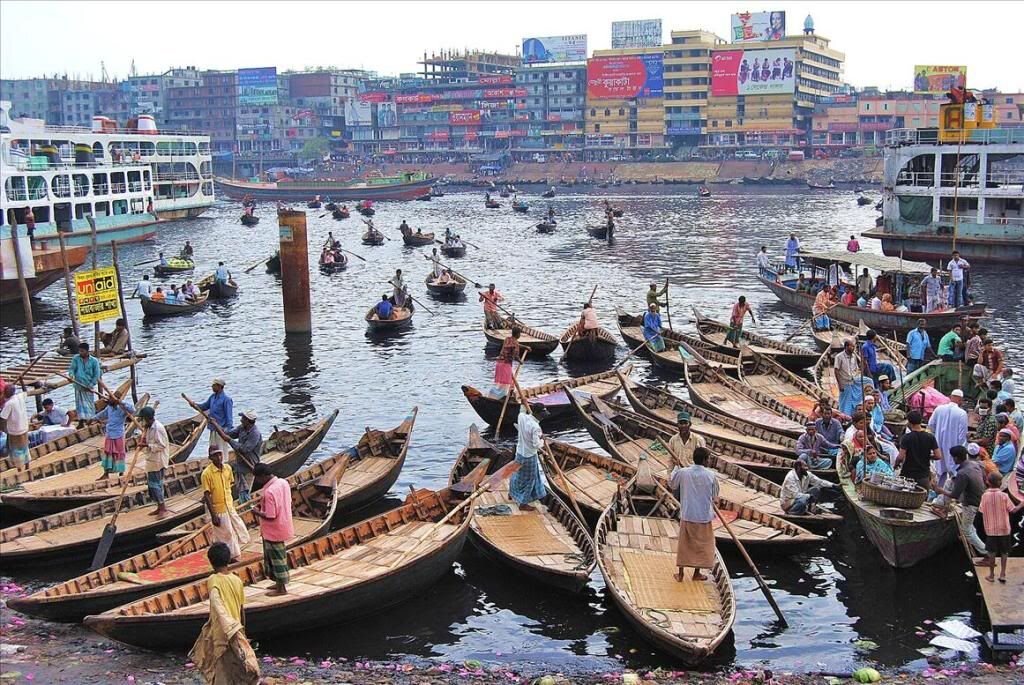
<point>338,192</point>
<point>49,269</point>
<point>931,248</point>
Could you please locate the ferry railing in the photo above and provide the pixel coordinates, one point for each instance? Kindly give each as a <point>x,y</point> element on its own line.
<point>989,220</point>
<point>71,165</point>
<point>1000,179</point>
<point>897,137</point>
<point>112,132</point>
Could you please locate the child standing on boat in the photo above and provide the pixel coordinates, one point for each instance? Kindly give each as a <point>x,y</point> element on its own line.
<point>114,415</point>
<point>995,510</point>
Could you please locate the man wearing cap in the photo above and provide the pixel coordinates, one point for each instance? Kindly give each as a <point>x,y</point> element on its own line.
<point>653,294</point>
<point>156,449</point>
<point>976,452</point>
<point>949,426</point>
<point>275,513</point>
<point>247,443</point>
<point>1003,423</point>
<point>217,481</point>
<point>1004,455</point>
<point>684,442</point>
<point>221,409</point>
<point>652,329</point>
<point>811,448</point>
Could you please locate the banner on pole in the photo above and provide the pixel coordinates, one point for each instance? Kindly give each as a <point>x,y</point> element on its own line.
<point>97,295</point>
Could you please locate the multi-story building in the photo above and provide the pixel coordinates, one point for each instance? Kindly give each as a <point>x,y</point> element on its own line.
<point>550,116</point>
<point>147,94</point>
<point>1008,107</point>
<point>688,85</point>
<point>325,93</point>
<point>625,110</point>
<point>763,93</point>
<point>28,97</point>
<point>470,65</point>
<point>208,107</point>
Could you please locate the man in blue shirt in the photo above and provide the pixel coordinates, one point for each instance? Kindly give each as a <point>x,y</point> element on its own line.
<point>222,275</point>
<point>221,409</point>
<point>870,352</point>
<point>918,344</point>
<point>384,308</point>
<point>1004,454</point>
<point>114,416</point>
<point>830,430</point>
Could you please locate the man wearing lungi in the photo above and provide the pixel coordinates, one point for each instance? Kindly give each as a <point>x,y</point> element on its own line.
<point>696,487</point>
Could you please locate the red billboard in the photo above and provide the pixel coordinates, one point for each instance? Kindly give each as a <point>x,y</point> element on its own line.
<point>753,72</point>
<point>417,99</point>
<point>373,97</point>
<point>504,92</point>
<point>494,80</point>
<point>628,76</point>
<point>467,116</point>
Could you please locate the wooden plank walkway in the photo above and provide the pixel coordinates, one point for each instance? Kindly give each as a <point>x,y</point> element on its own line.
<point>42,377</point>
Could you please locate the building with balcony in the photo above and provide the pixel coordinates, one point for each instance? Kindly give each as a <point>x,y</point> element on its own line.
<point>623,127</point>
<point>209,107</point>
<point>688,85</point>
<point>549,117</point>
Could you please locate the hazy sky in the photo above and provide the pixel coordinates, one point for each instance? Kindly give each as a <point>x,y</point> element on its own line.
<point>882,40</point>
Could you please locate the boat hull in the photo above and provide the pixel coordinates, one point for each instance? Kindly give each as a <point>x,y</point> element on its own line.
<point>567,582</point>
<point>931,248</point>
<point>339,191</point>
<point>142,228</point>
<point>587,351</point>
<point>903,546</point>
<point>154,310</point>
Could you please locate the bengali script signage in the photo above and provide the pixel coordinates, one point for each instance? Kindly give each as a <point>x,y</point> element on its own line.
<point>375,96</point>
<point>555,49</point>
<point>414,99</point>
<point>750,26</point>
<point>752,72</point>
<point>626,76</point>
<point>639,33</point>
<point>465,117</point>
<point>938,80</point>
<point>97,295</point>
<point>500,80</point>
<point>257,87</point>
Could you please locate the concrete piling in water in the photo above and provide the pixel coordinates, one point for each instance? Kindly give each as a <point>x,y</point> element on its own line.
<point>295,272</point>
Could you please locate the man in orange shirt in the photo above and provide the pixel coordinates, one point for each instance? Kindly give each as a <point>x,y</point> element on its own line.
<point>491,298</point>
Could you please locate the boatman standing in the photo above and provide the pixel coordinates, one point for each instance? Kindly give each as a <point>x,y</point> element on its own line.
<point>696,487</point>
<point>217,480</point>
<point>156,446</point>
<point>739,310</point>
<point>221,409</point>
<point>918,345</point>
<point>956,267</point>
<point>86,371</point>
<point>276,527</point>
<point>247,443</point>
<point>653,294</point>
<point>222,275</point>
<point>527,484</point>
<point>792,251</point>
<point>491,298</point>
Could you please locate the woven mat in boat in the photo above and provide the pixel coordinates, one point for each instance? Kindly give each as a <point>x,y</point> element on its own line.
<point>650,580</point>
<point>522,534</point>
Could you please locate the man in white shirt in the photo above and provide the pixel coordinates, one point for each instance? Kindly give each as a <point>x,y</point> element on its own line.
<point>145,288</point>
<point>696,487</point>
<point>15,418</point>
<point>764,263</point>
<point>801,490</point>
<point>949,426</point>
<point>158,455</point>
<point>956,268</point>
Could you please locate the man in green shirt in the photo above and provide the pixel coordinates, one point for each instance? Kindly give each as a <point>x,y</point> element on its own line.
<point>948,345</point>
<point>653,294</point>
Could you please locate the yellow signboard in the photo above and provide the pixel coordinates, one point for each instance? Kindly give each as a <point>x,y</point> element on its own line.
<point>930,78</point>
<point>97,295</point>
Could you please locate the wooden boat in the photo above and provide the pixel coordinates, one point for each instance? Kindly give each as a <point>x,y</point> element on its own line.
<point>492,204</point>
<point>712,389</point>
<point>366,211</point>
<point>539,343</point>
<point>71,536</point>
<point>156,310</point>
<point>373,237</point>
<point>250,219</point>
<point>599,232</point>
<point>357,570</point>
<point>680,349</point>
<point>548,194</point>
<point>183,559</point>
<point>547,226</point>
<point>314,204</point>
<point>521,207</point>
<point>454,251</point>
<point>339,214</point>
<point>454,288</point>
<point>902,542</point>
<point>425,197</point>
<point>330,206</point>
<point>790,356</point>
<point>663,406</point>
<point>768,377</point>
<point>819,186</point>
<point>218,290</point>
<point>401,317</point>
<point>549,545</point>
<point>586,349</point>
<point>617,212</point>
<point>174,265</point>
<point>629,437</point>
<point>418,239</point>
<point>339,264</point>
<point>636,541</point>
<point>864,200</point>
<point>548,401</point>
<point>274,264</point>
<point>703,192</point>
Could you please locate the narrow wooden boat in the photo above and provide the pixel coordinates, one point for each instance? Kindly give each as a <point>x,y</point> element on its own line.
<point>599,232</point>
<point>400,318</point>
<point>71,536</point>
<point>790,356</point>
<point>629,437</point>
<point>492,204</point>
<point>339,264</point>
<point>547,227</point>
<point>314,204</point>
<point>330,206</point>
<point>250,219</point>
<point>549,545</point>
<point>769,378</point>
<point>902,542</point>
<point>520,207</point>
<point>537,342</point>
<point>548,194</point>
<point>425,197</point>
<point>712,389</point>
<point>548,401</point>
<point>586,349</point>
<point>453,251</point>
<point>636,542</point>
<point>832,339</point>
<point>174,265</point>
<point>418,239</point>
<point>680,349</point>
<point>358,570</point>
<point>617,212</point>
<point>661,405</point>
<point>373,237</point>
<point>453,288</point>
<point>340,213</point>
<point>274,264</point>
<point>218,290</point>
<point>153,309</point>
<point>183,560</point>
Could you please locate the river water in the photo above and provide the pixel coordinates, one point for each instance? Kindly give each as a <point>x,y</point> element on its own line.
<point>843,603</point>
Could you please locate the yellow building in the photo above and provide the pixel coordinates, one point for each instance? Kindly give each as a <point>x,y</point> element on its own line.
<point>688,85</point>
<point>774,119</point>
<point>629,127</point>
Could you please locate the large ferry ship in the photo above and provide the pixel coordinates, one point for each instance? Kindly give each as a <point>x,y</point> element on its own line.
<point>959,187</point>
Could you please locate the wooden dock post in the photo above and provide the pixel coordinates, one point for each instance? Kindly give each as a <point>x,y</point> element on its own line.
<point>72,312</point>
<point>124,315</point>
<point>294,271</point>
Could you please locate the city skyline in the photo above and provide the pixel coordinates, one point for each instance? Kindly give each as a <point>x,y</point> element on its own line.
<point>392,49</point>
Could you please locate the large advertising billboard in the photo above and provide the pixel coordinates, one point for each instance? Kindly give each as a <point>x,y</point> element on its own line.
<point>638,33</point>
<point>257,87</point>
<point>929,78</point>
<point>626,76</point>
<point>751,26</point>
<point>753,72</point>
<point>358,113</point>
<point>555,49</point>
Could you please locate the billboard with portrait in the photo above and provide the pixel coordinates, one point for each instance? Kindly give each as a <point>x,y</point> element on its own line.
<point>358,113</point>
<point>626,76</point>
<point>555,49</point>
<point>637,33</point>
<point>750,26</point>
<point>929,78</point>
<point>753,72</point>
<point>257,87</point>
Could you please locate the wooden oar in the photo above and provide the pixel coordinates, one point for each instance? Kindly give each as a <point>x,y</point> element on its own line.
<point>504,405</point>
<point>414,299</point>
<point>753,568</point>
<point>579,325</point>
<point>262,261</point>
<point>668,308</point>
<point>352,253</point>
<point>180,544</point>
<point>17,381</point>
<point>463,276</point>
<point>808,321</point>
<point>99,559</point>
<point>219,431</point>
<point>370,224</point>
<point>148,261</point>
<point>631,353</point>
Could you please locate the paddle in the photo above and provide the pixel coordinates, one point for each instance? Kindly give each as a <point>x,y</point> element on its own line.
<point>668,308</point>
<point>99,559</point>
<point>462,276</point>
<point>148,261</point>
<point>262,261</point>
<point>352,253</point>
<point>753,568</point>
<point>17,381</point>
<point>579,327</point>
<point>370,224</point>
<point>504,405</point>
<point>631,353</point>
<point>414,299</point>
<point>219,431</point>
<point>813,317</point>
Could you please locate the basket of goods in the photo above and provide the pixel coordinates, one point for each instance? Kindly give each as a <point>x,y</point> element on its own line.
<point>893,491</point>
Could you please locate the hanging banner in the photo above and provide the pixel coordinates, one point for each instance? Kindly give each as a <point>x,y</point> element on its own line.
<point>96,292</point>
<point>257,87</point>
<point>626,76</point>
<point>469,116</point>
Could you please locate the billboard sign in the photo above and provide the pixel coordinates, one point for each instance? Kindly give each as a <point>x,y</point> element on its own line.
<point>626,76</point>
<point>387,117</point>
<point>97,295</point>
<point>257,87</point>
<point>465,117</point>
<point>555,49</point>
<point>639,33</point>
<point>938,80</point>
<point>751,26</point>
<point>358,113</point>
<point>414,99</point>
<point>499,80</point>
<point>374,96</point>
<point>753,72</point>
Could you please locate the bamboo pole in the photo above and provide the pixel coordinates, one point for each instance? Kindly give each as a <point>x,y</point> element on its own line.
<point>124,315</point>
<point>95,326</point>
<point>514,386</point>
<point>26,298</point>
<point>67,283</point>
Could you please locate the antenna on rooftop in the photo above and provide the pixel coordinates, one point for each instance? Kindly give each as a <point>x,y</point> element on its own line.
<point>103,71</point>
